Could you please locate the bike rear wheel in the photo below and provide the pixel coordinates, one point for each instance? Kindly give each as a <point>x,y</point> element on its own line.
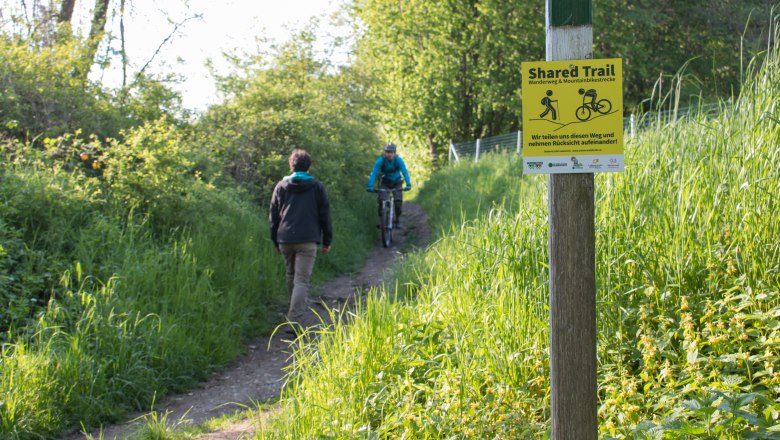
<point>583,113</point>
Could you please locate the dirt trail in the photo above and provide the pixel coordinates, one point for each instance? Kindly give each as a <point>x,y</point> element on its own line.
<point>258,375</point>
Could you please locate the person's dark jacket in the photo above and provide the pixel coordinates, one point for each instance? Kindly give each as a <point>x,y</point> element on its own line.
<point>300,212</point>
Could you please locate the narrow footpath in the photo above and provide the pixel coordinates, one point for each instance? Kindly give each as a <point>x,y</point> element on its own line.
<point>258,375</point>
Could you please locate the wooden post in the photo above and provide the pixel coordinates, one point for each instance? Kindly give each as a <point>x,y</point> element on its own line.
<point>572,253</point>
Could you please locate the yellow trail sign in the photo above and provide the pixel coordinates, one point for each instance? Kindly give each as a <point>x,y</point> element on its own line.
<point>573,116</point>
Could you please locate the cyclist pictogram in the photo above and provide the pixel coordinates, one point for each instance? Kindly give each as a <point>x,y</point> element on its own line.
<point>602,106</point>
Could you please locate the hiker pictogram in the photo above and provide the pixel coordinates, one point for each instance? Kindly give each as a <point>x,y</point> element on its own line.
<point>548,104</point>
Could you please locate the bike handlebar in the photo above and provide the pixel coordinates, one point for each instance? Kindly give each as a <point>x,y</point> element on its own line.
<point>372,190</point>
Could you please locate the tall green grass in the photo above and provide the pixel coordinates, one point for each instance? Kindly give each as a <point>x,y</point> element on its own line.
<point>125,315</point>
<point>688,273</point>
<point>122,288</point>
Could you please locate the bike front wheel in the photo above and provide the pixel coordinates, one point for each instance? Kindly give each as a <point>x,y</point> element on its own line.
<point>387,227</point>
<point>604,106</point>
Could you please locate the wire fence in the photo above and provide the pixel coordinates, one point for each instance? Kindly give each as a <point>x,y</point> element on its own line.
<point>513,142</point>
<point>510,142</point>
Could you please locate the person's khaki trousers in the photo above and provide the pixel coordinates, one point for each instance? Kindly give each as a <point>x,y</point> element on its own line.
<point>299,261</point>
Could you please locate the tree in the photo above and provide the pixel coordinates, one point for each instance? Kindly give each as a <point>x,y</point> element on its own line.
<point>66,11</point>
<point>712,39</point>
<point>451,69</point>
<point>97,27</point>
<point>284,99</point>
<point>448,70</point>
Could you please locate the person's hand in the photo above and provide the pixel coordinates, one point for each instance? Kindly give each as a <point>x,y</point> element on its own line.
<point>276,248</point>
<point>325,249</point>
<point>369,190</point>
<point>408,187</point>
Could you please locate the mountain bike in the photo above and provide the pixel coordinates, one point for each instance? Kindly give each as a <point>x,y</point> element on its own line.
<point>387,214</point>
<point>602,106</point>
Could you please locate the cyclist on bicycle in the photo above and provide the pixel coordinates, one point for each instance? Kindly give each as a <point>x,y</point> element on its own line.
<point>389,167</point>
<point>590,93</point>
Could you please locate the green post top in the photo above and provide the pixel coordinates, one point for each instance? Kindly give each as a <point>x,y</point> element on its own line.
<point>570,12</point>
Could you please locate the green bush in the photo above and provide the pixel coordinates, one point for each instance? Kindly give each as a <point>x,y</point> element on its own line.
<point>134,281</point>
<point>44,94</point>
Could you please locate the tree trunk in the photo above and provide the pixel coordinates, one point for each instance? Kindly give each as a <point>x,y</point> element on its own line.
<point>66,11</point>
<point>97,28</point>
<point>99,16</point>
<point>122,38</point>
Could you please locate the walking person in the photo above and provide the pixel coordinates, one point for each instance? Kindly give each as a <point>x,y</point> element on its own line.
<point>547,102</point>
<point>389,167</point>
<point>300,221</point>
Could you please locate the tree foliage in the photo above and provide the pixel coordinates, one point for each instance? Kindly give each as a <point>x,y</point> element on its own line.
<point>448,70</point>
<point>288,99</point>
<point>451,70</point>
<point>712,40</point>
<point>42,92</point>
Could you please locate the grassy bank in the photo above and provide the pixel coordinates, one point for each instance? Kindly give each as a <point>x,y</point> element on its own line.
<point>688,272</point>
<point>126,282</point>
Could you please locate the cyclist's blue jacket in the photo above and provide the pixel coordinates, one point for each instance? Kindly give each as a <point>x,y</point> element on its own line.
<point>389,171</point>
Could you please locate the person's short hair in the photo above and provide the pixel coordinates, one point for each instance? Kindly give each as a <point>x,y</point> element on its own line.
<point>299,160</point>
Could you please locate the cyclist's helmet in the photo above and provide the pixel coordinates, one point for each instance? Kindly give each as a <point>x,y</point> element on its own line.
<point>390,147</point>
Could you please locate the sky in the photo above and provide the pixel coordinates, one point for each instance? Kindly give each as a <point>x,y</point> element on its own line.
<point>226,25</point>
<point>223,26</point>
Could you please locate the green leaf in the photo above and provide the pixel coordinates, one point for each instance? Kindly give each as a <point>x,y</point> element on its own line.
<point>692,356</point>
<point>733,380</point>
